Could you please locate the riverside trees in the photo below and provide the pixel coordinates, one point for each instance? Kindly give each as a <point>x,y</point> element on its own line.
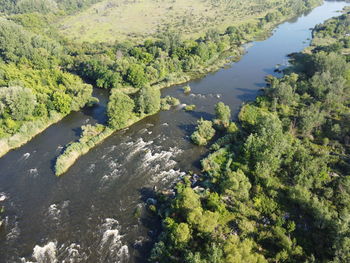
<point>278,190</point>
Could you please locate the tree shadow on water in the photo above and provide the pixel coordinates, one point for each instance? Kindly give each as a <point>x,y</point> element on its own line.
<point>248,94</point>
<point>149,221</point>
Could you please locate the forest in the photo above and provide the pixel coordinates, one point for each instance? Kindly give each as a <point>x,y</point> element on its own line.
<point>275,187</point>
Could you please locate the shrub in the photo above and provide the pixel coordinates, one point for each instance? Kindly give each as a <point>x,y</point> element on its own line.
<point>190,107</point>
<point>204,132</point>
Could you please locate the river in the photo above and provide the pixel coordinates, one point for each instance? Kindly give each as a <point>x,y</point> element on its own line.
<point>88,215</point>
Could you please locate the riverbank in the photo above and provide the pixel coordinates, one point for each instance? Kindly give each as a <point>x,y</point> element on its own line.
<point>76,149</point>
<point>271,192</point>
<point>28,131</point>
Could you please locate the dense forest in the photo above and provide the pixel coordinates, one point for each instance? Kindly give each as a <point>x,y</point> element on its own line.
<point>35,90</point>
<point>275,187</point>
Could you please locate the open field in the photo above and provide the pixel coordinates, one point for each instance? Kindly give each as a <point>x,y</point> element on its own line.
<point>115,19</point>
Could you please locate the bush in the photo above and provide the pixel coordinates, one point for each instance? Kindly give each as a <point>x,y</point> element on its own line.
<point>167,102</point>
<point>187,89</point>
<point>190,107</point>
<point>204,132</point>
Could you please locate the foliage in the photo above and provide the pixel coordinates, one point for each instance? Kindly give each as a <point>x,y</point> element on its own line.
<point>223,114</point>
<point>17,102</point>
<point>204,132</point>
<point>89,138</point>
<point>187,89</point>
<point>167,102</point>
<point>275,188</point>
<point>120,109</point>
<point>190,107</point>
<point>148,100</point>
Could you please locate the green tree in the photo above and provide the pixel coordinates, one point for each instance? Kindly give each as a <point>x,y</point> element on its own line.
<point>181,234</point>
<point>204,132</point>
<point>237,251</point>
<point>18,101</point>
<point>148,100</point>
<point>136,76</point>
<point>223,113</point>
<point>61,102</point>
<point>119,109</point>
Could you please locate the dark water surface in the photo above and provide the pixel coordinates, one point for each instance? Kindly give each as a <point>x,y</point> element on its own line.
<point>87,215</point>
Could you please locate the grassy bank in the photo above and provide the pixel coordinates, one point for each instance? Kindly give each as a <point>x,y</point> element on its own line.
<point>27,132</point>
<point>86,142</point>
<point>90,137</point>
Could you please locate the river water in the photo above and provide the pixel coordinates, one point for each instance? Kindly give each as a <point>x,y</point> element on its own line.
<point>88,215</point>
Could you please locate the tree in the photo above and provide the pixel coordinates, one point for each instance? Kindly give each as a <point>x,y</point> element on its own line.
<point>237,251</point>
<point>223,113</point>
<point>311,118</point>
<point>18,101</point>
<point>148,100</point>
<point>119,109</point>
<point>204,132</point>
<point>136,76</point>
<point>181,234</point>
<point>61,102</point>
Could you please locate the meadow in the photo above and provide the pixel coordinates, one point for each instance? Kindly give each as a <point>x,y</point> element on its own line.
<point>112,20</point>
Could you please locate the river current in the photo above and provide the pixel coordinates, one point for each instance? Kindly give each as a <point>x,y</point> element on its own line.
<point>88,214</point>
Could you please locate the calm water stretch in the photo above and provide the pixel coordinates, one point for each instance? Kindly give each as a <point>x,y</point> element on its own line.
<point>88,215</point>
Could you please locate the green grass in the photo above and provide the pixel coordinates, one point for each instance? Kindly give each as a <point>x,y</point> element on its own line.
<point>114,19</point>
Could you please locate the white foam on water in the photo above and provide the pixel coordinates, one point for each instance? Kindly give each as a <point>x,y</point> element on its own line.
<point>50,253</point>
<point>112,148</point>
<point>73,254</point>
<point>159,160</point>
<point>113,164</point>
<point>14,233</point>
<point>142,131</point>
<point>59,148</point>
<point>111,248</point>
<point>3,197</point>
<point>26,156</point>
<point>54,212</point>
<point>46,253</point>
<point>91,168</point>
<point>107,178</point>
<point>136,147</point>
<point>168,176</point>
<point>198,95</point>
<point>33,172</point>
<point>181,106</point>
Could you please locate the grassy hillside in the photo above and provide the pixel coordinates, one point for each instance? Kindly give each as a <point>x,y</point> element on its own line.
<point>115,19</point>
